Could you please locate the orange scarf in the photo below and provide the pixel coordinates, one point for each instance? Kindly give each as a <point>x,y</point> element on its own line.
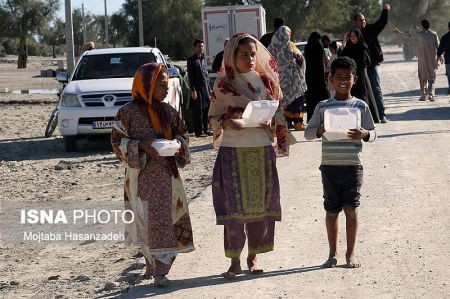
<point>148,74</point>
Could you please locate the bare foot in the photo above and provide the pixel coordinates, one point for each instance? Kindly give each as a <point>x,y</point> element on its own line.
<point>234,269</point>
<point>351,261</point>
<point>331,262</point>
<point>252,266</point>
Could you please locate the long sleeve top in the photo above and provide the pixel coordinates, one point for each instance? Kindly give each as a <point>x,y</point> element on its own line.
<point>444,47</point>
<point>370,33</point>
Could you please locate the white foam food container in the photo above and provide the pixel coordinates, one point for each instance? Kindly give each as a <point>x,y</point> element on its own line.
<point>338,121</point>
<point>166,148</point>
<point>259,112</point>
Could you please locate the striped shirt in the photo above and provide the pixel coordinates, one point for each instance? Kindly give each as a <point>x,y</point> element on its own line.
<point>344,152</point>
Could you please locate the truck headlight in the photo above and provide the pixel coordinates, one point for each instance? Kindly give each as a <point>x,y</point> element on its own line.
<point>70,100</point>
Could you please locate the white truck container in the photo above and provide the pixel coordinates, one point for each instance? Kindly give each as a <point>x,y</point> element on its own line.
<point>220,22</point>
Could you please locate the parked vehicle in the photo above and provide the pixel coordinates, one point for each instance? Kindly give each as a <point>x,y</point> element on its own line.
<point>220,22</point>
<point>301,46</point>
<point>99,85</point>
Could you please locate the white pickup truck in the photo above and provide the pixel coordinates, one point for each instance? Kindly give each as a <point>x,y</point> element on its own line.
<point>99,85</point>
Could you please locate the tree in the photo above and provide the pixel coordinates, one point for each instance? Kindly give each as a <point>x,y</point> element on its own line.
<point>172,24</point>
<point>407,14</point>
<point>117,28</point>
<point>25,18</point>
<point>54,34</point>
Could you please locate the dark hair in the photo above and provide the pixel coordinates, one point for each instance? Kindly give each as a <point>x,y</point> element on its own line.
<point>333,45</point>
<point>315,36</point>
<point>358,34</point>
<point>197,41</point>
<point>355,17</point>
<point>345,63</point>
<point>425,24</point>
<point>325,38</point>
<point>244,41</point>
<point>448,24</point>
<point>278,22</point>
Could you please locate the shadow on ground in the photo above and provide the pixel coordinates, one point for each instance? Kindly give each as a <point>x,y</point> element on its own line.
<point>413,133</point>
<point>399,61</point>
<point>149,290</point>
<point>415,93</point>
<point>435,113</point>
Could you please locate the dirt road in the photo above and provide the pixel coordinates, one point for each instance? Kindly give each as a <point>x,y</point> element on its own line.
<point>403,243</point>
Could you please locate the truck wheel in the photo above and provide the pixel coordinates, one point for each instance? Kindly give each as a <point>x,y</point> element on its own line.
<point>70,143</point>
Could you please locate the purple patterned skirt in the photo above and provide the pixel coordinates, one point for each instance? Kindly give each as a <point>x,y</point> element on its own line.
<point>245,185</point>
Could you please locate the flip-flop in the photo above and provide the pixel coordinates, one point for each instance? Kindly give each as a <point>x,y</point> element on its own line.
<point>256,271</point>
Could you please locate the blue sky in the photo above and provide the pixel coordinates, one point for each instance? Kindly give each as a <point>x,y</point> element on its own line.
<point>95,7</point>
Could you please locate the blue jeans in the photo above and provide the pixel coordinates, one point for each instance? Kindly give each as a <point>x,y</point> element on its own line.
<point>374,78</point>
<point>447,72</point>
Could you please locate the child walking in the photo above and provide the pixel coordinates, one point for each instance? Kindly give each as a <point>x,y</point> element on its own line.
<point>245,187</point>
<point>342,172</point>
<point>153,187</point>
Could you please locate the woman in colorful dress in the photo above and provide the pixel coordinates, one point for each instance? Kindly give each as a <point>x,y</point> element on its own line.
<point>153,187</point>
<point>291,65</point>
<point>245,187</point>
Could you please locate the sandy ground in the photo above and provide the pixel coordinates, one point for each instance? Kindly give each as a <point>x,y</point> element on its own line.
<point>404,231</point>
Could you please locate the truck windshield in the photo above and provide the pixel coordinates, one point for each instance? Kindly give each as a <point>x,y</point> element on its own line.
<point>111,65</point>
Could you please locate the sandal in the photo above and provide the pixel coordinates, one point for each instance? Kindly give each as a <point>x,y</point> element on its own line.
<point>256,271</point>
<point>228,275</point>
<point>162,281</point>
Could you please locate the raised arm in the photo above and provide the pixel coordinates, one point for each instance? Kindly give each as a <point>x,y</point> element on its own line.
<point>381,23</point>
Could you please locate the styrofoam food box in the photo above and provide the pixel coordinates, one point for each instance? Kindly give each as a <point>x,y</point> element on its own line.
<point>166,148</point>
<point>338,121</point>
<point>259,112</point>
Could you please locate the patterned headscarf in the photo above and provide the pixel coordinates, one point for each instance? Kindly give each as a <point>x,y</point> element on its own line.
<point>292,75</point>
<point>279,46</point>
<point>234,87</point>
<point>232,91</point>
<point>143,86</point>
<point>266,65</point>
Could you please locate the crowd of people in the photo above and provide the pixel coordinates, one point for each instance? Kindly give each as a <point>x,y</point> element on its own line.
<point>245,183</point>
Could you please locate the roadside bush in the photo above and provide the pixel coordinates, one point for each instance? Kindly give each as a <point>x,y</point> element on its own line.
<point>38,49</point>
<point>9,45</point>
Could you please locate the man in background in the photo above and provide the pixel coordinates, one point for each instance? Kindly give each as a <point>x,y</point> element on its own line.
<point>217,63</point>
<point>427,44</point>
<point>370,33</point>
<point>199,89</point>
<point>266,39</point>
<point>444,48</point>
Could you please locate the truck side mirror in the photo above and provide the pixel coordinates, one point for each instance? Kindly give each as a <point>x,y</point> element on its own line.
<point>62,77</point>
<point>173,72</point>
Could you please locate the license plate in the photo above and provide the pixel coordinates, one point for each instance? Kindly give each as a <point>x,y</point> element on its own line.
<point>102,124</point>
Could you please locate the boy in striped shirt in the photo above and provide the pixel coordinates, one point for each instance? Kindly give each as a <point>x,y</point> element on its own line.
<point>342,172</point>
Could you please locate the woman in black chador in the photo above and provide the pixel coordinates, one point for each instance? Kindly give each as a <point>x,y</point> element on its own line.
<point>314,74</point>
<point>357,49</point>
